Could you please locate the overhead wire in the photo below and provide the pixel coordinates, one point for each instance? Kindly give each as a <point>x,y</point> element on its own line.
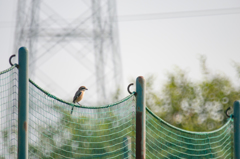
<point>163,15</point>
<point>180,14</point>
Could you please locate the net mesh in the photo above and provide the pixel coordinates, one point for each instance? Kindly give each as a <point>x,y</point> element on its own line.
<point>97,132</point>
<point>90,132</point>
<point>166,141</point>
<point>8,112</point>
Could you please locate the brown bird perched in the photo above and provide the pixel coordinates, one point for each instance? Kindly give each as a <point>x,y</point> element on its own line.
<point>79,95</point>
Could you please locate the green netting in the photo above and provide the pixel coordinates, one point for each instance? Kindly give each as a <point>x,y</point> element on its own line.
<point>166,141</point>
<point>90,132</point>
<point>8,112</point>
<point>97,132</point>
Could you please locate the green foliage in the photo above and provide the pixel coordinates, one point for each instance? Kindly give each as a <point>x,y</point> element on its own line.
<point>195,106</point>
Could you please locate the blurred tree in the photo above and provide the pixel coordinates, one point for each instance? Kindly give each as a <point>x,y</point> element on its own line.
<point>194,106</point>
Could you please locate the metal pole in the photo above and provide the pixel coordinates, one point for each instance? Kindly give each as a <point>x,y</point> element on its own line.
<point>140,118</point>
<point>236,115</point>
<point>23,103</point>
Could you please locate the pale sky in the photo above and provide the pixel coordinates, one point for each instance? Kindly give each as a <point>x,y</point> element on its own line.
<point>156,35</point>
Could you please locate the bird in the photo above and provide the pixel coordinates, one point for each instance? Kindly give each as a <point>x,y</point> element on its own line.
<point>78,95</point>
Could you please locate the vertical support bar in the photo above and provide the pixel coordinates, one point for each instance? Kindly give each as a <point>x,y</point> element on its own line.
<point>236,115</point>
<point>23,103</point>
<point>127,147</point>
<point>140,118</point>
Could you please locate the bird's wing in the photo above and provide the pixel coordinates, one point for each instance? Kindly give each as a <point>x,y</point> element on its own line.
<point>78,93</point>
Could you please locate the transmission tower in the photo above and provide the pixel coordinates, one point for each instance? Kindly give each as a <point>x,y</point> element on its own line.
<point>71,43</point>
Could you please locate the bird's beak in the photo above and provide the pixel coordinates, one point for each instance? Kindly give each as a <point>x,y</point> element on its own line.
<point>86,89</point>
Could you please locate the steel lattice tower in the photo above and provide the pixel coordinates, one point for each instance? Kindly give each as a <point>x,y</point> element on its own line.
<point>78,47</point>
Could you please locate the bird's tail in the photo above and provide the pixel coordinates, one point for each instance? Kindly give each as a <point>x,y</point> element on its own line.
<point>72,110</point>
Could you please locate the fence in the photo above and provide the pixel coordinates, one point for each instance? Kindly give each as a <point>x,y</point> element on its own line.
<point>36,124</point>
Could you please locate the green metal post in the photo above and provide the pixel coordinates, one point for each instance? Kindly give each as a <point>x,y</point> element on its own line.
<point>140,118</point>
<point>236,115</point>
<point>23,103</point>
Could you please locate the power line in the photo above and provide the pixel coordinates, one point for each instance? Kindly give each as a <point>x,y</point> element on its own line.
<point>182,14</point>
<point>154,16</point>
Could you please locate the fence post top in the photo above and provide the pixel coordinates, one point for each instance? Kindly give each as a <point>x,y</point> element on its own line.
<point>23,49</point>
<point>236,102</point>
<point>140,79</point>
